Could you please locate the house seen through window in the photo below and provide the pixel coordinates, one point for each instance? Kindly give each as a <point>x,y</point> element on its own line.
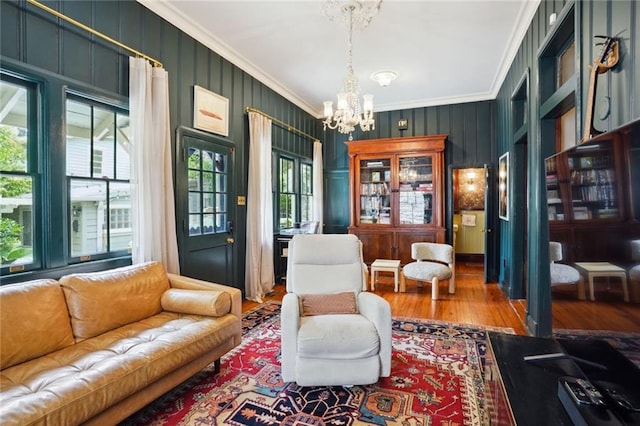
<point>97,141</point>
<point>18,172</point>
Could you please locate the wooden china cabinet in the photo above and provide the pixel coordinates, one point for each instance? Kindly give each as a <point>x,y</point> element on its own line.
<point>396,193</point>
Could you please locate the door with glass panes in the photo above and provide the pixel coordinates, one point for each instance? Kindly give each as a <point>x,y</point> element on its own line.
<point>205,212</point>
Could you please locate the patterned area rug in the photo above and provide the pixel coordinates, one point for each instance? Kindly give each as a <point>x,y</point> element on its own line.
<point>437,379</point>
<point>627,343</point>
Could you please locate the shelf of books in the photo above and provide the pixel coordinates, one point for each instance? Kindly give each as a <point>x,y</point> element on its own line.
<point>375,193</point>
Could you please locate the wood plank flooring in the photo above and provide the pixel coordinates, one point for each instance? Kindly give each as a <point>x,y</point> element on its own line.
<point>484,304</point>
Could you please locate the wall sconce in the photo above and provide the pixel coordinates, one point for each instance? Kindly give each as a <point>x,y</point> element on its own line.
<point>471,181</point>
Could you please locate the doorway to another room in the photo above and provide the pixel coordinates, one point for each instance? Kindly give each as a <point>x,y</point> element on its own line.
<point>469,217</point>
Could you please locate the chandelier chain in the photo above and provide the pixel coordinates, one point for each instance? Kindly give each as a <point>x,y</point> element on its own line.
<point>349,112</point>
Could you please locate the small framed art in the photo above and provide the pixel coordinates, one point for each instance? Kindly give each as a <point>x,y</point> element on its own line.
<point>210,111</point>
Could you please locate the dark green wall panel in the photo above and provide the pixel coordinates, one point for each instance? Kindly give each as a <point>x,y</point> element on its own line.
<point>46,47</point>
<point>611,17</point>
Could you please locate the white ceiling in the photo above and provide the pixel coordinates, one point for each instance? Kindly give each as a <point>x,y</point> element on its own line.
<point>445,52</point>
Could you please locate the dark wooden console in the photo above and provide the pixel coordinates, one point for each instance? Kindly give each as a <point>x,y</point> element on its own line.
<point>526,393</point>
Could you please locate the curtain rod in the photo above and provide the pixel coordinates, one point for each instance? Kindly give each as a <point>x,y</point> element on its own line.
<point>94,32</point>
<point>283,124</point>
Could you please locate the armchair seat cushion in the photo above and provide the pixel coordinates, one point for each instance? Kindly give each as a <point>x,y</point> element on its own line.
<point>426,271</point>
<point>341,336</point>
<point>564,274</point>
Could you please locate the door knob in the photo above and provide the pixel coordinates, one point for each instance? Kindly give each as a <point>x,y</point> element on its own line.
<point>230,240</point>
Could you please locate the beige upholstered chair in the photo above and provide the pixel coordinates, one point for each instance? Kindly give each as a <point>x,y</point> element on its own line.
<point>562,274</point>
<point>634,272</point>
<point>433,262</point>
<point>333,332</point>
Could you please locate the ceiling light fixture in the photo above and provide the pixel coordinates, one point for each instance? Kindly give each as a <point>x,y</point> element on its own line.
<point>349,113</point>
<point>384,78</point>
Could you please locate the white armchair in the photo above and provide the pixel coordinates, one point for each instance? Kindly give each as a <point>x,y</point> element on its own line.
<point>562,274</point>
<point>333,333</point>
<point>434,262</point>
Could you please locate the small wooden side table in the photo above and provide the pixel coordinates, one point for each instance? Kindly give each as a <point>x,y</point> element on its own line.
<point>385,265</point>
<point>604,269</point>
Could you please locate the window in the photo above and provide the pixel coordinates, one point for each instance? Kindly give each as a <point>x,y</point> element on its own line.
<point>306,193</point>
<point>97,142</point>
<point>293,198</point>
<point>18,173</point>
<point>287,193</point>
<point>208,189</point>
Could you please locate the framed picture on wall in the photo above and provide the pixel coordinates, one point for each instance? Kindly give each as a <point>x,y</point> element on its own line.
<point>210,111</point>
<point>503,186</point>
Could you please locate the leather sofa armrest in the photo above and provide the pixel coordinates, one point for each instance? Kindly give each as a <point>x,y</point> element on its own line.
<point>182,282</point>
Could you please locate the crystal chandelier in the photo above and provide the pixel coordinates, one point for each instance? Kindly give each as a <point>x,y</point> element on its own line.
<point>349,113</point>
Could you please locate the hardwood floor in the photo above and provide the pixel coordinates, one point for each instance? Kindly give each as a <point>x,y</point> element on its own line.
<point>484,304</point>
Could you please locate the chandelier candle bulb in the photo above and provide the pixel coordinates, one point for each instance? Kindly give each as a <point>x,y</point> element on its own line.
<point>368,103</point>
<point>328,109</point>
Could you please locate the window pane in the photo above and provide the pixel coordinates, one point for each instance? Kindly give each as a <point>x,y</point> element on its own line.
<point>16,220</point>
<point>89,217</point>
<point>194,180</point>
<point>79,156</point>
<point>194,158</point>
<point>123,146</point>
<point>221,163</point>
<point>207,161</point>
<point>207,181</point>
<point>194,224</point>
<point>306,179</point>
<point>287,210</point>
<point>103,143</point>
<point>221,183</point>
<point>13,128</point>
<point>306,207</point>
<point>120,232</point>
<point>207,224</point>
<point>221,203</point>
<point>221,222</point>
<point>207,202</point>
<point>194,202</point>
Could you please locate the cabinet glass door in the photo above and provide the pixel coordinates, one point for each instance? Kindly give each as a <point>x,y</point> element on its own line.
<point>556,189</point>
<point>593,184</point>
<point>375,191</point>
<point>416,190</point>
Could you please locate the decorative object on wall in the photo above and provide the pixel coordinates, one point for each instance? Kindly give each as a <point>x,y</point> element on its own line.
<point>607,59</point>
<point>349,113</point>
<point>210,111</point>
<point>503,186</point>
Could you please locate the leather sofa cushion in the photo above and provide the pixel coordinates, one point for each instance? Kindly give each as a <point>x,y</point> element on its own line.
<point>33,321</point>
<point>74,384</point>
<point>328,304</point>
<point>102,301</point>
<point>197,302</point>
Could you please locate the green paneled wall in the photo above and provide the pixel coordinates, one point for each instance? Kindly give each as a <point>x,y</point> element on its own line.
<point>36,43</point>
<point>611,17</point>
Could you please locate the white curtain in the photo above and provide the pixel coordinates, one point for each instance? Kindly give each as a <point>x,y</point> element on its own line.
<point>152,198</point>
<point>259,275</point>
<point>317,184</point>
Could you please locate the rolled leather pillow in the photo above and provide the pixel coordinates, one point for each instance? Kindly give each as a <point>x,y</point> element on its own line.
<point>198,302</point>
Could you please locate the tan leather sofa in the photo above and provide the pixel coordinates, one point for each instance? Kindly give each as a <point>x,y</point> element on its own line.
<point>94,348</point>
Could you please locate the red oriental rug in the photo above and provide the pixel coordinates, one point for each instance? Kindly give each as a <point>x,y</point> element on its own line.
<point>436,379</point>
